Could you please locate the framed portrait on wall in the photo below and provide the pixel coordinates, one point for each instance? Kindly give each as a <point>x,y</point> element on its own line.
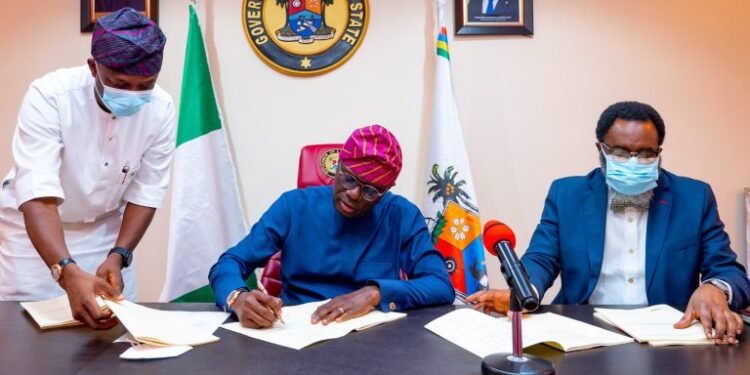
<point>93,9</point>
<point>494,17</point>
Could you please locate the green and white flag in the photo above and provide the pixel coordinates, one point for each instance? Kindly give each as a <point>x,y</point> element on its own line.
<point>207,216</point>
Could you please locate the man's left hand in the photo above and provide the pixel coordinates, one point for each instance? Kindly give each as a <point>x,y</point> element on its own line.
<point>348,306</point>
<point>709,305</point>
<point>111,271</point>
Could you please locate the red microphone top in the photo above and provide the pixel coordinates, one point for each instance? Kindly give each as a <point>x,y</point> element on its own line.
<point>494,232</point>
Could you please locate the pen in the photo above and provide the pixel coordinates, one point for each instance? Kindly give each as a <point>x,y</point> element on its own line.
<point>124,171</point>
<point>263,289</point>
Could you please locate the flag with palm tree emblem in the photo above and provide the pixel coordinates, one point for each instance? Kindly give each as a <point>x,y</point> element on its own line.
<point>450,204</point>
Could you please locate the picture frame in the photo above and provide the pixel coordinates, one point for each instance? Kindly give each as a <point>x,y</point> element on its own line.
<point>91,10</point>
<point>505,17</point>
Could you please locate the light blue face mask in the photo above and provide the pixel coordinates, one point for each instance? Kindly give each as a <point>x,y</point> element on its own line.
<point>124,102</point>
<point>631,177</point>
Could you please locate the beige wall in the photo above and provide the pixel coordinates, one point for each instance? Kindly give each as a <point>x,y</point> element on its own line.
<point>528,105</point>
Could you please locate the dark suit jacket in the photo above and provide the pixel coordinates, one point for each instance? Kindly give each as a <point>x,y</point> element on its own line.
<point>503,12</point>
<point>685,241</point>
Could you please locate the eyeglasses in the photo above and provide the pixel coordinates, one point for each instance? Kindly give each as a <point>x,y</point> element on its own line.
<point>622,155</point>
<point>369,193</point>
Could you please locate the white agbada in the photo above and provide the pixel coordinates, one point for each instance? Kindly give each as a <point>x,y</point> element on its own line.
<point>66,146</point>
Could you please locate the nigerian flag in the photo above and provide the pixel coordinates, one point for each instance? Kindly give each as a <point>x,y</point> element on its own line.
<point>207,216</point>
<point>450,205</point>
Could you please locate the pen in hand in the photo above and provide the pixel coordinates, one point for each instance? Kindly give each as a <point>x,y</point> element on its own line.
<point>263,289</point>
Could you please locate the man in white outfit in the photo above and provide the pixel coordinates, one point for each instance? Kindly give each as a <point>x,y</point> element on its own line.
<point>91,156</point>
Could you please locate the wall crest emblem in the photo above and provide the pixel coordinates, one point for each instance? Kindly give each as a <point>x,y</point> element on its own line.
<point>305,37</point>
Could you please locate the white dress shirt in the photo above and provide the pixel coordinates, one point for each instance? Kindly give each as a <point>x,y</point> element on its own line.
<point>65,146</point>
<point>622,280</point>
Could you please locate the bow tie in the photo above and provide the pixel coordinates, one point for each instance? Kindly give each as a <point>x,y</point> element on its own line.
<point>619,207</point>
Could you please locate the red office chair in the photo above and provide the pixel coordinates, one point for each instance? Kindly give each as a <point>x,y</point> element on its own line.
<point>317,166</point>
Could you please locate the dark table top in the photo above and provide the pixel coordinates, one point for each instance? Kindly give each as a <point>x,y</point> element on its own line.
<point>400,347</point>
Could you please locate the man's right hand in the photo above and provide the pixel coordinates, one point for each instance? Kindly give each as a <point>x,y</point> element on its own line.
<point>490,300</point>
<point>256,309</point>
<point>82,289</point>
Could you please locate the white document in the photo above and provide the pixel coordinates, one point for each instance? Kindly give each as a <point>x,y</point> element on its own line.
<point>654,324</point>
<point>157,327</point>
<point>205,321</point>
<point>298,332</point>
<point>54,313</point>
<point>154,352</point>
<point>483,335</point>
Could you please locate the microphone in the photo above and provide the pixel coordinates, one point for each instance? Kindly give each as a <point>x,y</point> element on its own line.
<point>499,240</point>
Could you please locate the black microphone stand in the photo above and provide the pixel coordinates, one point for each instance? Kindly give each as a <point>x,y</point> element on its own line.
<point>516,363</point>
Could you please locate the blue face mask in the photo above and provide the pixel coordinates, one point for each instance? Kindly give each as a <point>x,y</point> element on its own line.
<point>631,177</point>
<point>124,102</point>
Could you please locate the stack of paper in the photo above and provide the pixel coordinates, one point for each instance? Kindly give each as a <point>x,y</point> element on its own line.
<point>654,324</point>
<point>54,313</point>
<point>483,335</point>
<point>298,332</point>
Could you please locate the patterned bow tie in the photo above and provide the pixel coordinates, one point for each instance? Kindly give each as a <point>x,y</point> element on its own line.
<point>619,207</point>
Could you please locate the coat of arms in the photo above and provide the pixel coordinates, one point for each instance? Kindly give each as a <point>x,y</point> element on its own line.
<point>305,37</point>
<point>306,22</point>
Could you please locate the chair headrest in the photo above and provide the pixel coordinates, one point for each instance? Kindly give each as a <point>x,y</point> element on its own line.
<point>318,164</point>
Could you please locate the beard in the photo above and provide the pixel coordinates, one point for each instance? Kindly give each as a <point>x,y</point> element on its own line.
<point>620,201</point>
<point>640,202</point>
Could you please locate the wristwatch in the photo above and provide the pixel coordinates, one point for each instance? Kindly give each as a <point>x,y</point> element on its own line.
<point>127,255</point>
<point>57,268</point>
<point>232,297</point>
<point>721,286</point>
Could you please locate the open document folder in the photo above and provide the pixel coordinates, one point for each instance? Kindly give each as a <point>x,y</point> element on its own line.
<point>654,324</point>
<point>298,332</point>
<point>483,335</point>
<point>205,321</point>
<point>54,313</point>
<point>157,327</point>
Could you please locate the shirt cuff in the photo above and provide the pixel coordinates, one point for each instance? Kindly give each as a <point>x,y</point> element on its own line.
<point>145,195</point>
<point>37,185</point>
<point>730,294</point>
<point>388,297</point>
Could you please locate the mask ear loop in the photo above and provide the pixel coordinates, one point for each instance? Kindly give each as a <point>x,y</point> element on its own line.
<point>99,76</point>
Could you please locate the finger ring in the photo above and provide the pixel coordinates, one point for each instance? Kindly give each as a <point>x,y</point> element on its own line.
<point>341,310</point>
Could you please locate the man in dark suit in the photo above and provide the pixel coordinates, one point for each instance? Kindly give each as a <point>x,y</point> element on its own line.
<point>493,11</point>
<point>631,233</point>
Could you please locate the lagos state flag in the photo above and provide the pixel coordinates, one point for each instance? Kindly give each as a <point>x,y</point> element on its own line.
<point>450,205</point>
